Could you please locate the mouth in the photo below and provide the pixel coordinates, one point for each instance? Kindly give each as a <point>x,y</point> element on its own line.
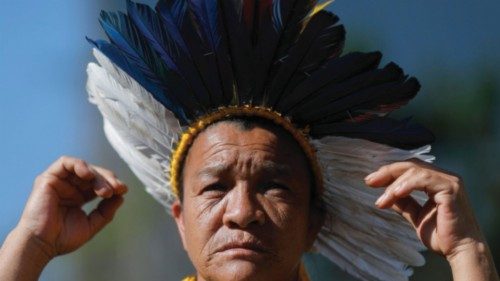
<point>243,249</point>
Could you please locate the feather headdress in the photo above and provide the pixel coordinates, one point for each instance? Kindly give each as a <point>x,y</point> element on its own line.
<point>165,68</point>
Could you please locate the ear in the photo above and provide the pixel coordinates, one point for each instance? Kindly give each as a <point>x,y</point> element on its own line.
<point>316,221</point>
<point>179,220</point>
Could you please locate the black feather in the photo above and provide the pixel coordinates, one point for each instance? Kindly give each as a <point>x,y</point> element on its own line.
<point>240,50</point>
<point>298,53</point>
<point>338,96</point>
<point>397,133</point>
<point>334,71</point>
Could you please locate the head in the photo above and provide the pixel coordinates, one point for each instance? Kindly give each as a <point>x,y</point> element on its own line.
<point>248,208</point>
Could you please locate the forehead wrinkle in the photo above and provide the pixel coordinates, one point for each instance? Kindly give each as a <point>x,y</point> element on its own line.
<point>214,169</point>
<point>267,167</point>
<point>268,147</point>
<point>218,147</point>
<point>272,168</point>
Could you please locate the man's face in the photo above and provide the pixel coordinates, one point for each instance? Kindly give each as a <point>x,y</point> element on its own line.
<point>245,213</point>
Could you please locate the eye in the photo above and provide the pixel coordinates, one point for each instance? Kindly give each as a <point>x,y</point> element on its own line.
<point>274,187</point>
<point>214,188</point>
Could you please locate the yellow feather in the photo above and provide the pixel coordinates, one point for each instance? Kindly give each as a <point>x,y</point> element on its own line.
<point>319,7</point>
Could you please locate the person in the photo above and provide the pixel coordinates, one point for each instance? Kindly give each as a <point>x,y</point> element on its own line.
<point>255,178</point>
<point>246,230</point>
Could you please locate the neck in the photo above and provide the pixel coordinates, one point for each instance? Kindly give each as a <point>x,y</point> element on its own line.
<point>299,275</point>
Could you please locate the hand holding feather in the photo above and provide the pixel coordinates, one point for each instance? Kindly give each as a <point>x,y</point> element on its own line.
<point>53,222</point>
<point>445,222</point>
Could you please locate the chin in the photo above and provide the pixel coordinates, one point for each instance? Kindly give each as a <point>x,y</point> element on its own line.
<point>242,270</point>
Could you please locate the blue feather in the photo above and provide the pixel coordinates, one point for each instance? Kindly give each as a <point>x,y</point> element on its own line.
<point>172,22</point>
<point>206,11</point>
<point>177,24</point>
<point>119,31</point>
<point>125,35</point>
<point>209,21</point>
<point>116,56</point>
<point>277,19</point>
<point>178,11</point>
<point>146,21</point>
<point>186,73</point>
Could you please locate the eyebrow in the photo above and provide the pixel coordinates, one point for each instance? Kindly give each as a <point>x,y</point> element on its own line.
<point>268,167</point>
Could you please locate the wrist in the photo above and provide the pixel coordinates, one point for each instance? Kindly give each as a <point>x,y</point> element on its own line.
<point>467,249</point>
<point>28,247</point>
<point>38,247</point>
<point>23,256</point>
<point>472,259</point>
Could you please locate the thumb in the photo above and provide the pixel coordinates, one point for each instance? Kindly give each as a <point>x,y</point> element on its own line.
<point>104,213</point>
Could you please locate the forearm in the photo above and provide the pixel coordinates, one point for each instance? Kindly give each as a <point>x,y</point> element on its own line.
<point>22,258</point>
<point>473,263</point>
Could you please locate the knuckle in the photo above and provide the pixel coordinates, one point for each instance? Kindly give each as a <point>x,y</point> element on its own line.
<point>44,181</point>
<point>455,183</point>
<point>63,158</point>
<point>80,162</point>
<point>425,174</point>
<point>38,180</point>
<point>413,170</point>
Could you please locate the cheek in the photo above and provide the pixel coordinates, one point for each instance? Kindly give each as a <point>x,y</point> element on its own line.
<point>201,224</point>
<point>287,217</point>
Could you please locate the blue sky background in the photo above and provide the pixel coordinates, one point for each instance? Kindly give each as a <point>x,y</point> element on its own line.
<point>44,111</point>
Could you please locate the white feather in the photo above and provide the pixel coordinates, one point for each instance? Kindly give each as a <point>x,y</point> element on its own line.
<point>139,128</point>
<point>369,243</point>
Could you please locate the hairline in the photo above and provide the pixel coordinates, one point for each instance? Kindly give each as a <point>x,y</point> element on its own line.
<point>247,124</point>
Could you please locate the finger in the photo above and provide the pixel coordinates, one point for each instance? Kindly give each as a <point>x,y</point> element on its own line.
<point>408,208</point>
<point>104,213</point>
<point>435,184</point>
<point>119,188</point>
<point>387,174</point>
<point>101,186</point>
<point>66,166</point>
<point>389,196</point>
<point>67,194</point>
<point>82,176</point>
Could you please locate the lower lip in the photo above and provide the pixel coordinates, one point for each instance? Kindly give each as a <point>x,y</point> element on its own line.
<point>242,253</point>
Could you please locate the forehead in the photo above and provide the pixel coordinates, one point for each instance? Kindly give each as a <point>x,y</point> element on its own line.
<point>227,141</point>
<point>228,134</point>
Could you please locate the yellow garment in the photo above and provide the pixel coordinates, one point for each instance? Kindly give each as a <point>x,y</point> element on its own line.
<point>302,275</point>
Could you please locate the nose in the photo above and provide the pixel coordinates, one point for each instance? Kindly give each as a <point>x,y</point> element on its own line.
<point>243,209</point>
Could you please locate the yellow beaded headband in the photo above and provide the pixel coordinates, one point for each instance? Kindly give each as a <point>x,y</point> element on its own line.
<point>187,138</point>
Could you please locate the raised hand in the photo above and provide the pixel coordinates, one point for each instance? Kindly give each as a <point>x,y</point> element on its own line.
<point>445,223</point>
<point>53,222</point>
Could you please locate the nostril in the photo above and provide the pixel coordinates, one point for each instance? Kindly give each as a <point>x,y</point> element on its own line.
<point>242,211</point>
<point>260,217</point>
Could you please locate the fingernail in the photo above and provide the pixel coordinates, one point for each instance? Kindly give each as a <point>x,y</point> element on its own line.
<point>104,188</point>
<point>381,199</point>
